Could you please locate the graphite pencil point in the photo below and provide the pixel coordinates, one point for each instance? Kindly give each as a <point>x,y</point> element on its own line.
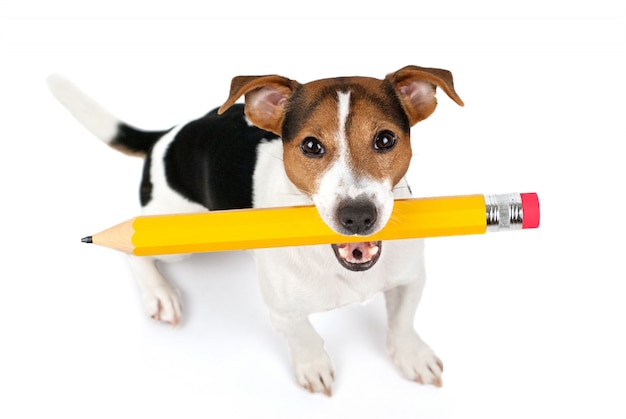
<point>87,239</point>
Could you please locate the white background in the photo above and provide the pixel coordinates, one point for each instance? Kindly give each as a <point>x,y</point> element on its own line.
<point>528,324</point>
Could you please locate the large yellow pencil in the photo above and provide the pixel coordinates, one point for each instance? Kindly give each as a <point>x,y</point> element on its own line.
<point>298,226</point>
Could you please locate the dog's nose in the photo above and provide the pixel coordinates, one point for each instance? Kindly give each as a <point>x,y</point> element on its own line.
<point>358,217</point>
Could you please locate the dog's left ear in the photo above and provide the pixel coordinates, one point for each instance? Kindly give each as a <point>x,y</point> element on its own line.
<point>266,98</point>
<point>415,87</point>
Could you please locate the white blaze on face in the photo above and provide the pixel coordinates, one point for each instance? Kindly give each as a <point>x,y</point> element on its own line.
<point>341,182</point>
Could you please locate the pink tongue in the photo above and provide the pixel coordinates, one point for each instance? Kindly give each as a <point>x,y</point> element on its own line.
<point>357,252</point>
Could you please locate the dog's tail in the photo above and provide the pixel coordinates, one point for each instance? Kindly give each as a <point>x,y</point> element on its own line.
<point>104,125</point>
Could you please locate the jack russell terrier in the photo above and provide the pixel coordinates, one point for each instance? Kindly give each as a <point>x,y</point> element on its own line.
<point>341,144</point>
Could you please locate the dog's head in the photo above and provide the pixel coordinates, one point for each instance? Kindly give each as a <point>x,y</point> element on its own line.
<point>346,142</point>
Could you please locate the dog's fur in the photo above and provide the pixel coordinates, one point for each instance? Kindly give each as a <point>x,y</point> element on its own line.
<point>341,144</point>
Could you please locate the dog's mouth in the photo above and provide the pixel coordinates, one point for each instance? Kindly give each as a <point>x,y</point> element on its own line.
<point>358,256</point>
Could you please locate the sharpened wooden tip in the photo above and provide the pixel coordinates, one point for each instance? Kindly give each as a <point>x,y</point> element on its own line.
<point>118,237</point>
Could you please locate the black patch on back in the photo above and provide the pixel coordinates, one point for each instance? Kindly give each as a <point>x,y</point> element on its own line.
<point>211,161</point>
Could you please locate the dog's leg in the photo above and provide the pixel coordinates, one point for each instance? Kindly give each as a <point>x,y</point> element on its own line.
<point>414,358</point>
<point>312,366</point>
<point>161,300</point>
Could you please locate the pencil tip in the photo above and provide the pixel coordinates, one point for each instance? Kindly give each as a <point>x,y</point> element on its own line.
<point>87,239</point>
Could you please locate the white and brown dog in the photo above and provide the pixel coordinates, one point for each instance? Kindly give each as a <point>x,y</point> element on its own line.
<point>341,144</point>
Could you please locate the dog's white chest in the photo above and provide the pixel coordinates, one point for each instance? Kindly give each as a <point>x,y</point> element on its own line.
<point>309,279</point>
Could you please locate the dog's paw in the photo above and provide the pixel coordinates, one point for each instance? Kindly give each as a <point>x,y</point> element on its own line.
<point>416,361</point>
<point>315,374</point>
<point>162,303</point>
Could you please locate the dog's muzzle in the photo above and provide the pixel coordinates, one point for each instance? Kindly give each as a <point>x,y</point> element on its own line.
<point>357,217</point>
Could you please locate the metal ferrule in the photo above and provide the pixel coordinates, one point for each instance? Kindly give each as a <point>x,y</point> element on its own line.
<point>504,212</point>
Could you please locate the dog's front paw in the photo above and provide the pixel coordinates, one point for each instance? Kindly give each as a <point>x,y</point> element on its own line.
<point>315,373</point>
<point>415,359</point>
<point>162,303</point>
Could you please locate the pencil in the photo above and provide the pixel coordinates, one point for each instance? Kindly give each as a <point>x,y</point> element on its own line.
<point>297,226</point>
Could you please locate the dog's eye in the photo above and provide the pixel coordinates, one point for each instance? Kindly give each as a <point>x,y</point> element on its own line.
<point>384,141</point>
<point>312,147</point>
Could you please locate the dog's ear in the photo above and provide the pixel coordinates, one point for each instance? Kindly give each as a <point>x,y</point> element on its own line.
<point>265,96</point>
<point>416,86</point>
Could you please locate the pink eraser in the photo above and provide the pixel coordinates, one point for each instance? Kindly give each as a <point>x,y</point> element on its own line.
<point>530,210</point>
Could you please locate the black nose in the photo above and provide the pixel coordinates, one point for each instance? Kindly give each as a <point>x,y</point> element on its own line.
<point>357,217</point>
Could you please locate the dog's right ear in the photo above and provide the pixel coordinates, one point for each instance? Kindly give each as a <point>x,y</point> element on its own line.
<point>266,98</point>
<point>415,87</point>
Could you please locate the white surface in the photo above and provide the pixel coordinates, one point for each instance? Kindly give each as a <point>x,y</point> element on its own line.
<point>528,324</point>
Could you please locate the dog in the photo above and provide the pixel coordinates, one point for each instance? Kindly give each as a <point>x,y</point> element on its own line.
<point>341,144</point>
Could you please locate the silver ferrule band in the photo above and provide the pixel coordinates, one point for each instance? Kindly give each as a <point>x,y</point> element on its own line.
<point>504,212</point>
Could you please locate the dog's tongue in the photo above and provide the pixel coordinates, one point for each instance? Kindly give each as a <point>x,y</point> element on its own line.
<point>358,252</point>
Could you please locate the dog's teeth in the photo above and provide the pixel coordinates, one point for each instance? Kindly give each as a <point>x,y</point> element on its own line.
<point>373,251</point>
<point>344,252</point>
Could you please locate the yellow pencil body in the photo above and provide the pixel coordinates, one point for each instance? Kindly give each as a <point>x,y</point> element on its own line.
<point>291,226</point>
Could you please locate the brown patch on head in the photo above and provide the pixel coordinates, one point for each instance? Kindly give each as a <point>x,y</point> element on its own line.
<point>309,112</point>
<point>374,108</point>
